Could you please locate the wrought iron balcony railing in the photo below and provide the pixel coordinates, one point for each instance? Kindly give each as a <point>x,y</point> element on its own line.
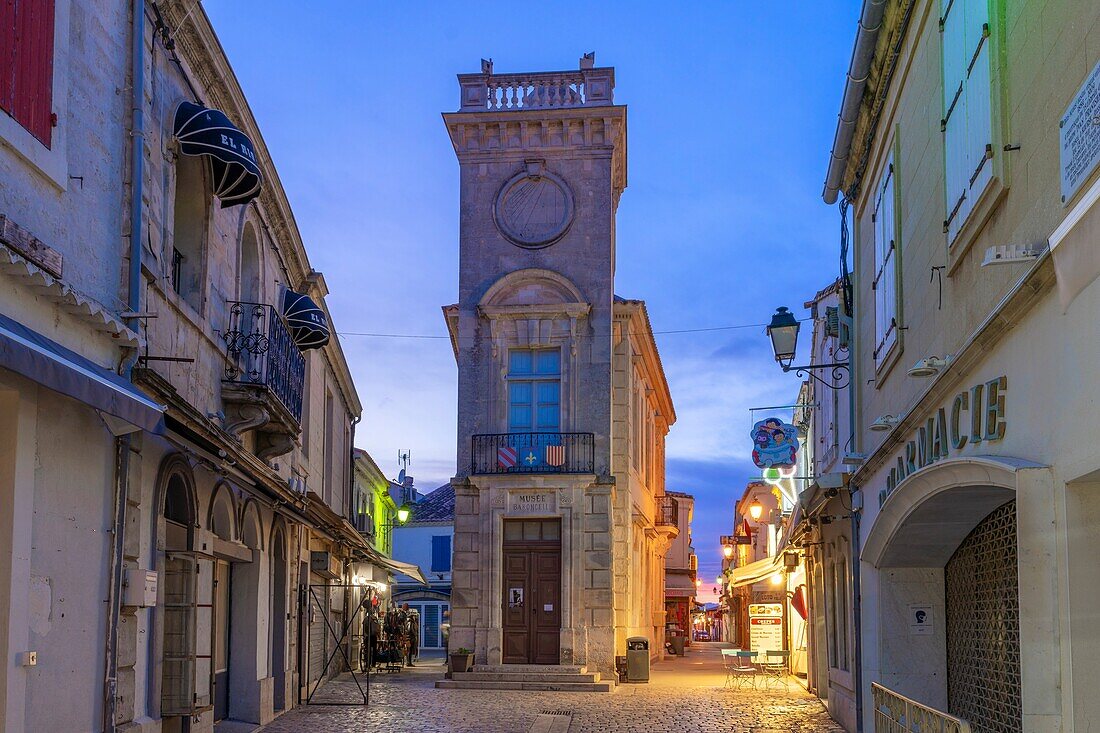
<point>533,453</point>
<point>668,512</point>
<point>260,351</point>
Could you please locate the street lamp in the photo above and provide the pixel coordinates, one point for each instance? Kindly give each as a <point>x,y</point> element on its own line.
<point>727,551</point>
<point>403,513</point>
<point>756,510</point>
<point>783,331</point>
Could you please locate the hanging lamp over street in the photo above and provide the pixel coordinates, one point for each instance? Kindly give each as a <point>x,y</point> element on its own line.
<point>783,331</point>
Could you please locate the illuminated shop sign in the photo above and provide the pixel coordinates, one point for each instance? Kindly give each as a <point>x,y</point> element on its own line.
<point>774,443</point>
<point>974,416</point>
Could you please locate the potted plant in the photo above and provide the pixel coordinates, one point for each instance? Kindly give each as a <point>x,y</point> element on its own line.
<point>462,660</point>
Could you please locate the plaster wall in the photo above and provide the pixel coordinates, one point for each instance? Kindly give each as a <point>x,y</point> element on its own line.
<point>413,544</point>
<point>1046,389</point>
<point>71,195</point>
<point>1048,50</point>
<point>58,472</point>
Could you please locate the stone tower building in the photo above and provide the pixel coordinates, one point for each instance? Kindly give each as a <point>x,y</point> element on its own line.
<point>549,361</point>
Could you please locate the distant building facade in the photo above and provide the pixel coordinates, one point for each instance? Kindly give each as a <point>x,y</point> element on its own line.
<point>681,569</point>
<point>563,405</point>
<point>426,540</point>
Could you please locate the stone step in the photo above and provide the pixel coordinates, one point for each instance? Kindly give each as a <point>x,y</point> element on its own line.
<point>478,676</point>
<point>523,668</point>
<point>520,685</point>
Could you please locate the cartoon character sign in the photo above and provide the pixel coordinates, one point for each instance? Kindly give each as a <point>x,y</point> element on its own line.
<point>774,443</point>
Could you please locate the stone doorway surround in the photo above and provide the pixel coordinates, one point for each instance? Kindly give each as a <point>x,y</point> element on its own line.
<point>582,503</point>
<point>914,534</point>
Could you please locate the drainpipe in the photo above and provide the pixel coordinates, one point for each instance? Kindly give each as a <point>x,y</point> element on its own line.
<point>114,604</point>
<point>870,21</point>
<point>137,169</point>
<point>857,622</point>
<point>133,303</point>
<point>855,512</point>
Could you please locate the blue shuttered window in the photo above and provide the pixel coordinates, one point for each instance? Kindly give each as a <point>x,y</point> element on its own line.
<point>441,554</point>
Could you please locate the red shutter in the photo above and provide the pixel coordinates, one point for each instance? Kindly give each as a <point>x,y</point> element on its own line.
<point>26,63</point>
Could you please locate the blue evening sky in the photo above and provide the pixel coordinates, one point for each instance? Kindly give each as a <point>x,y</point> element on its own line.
<point>732,112</point>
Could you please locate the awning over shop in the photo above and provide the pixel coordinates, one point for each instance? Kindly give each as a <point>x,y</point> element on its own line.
<point>372,555</point>
<point>406,568</point>
<point>50,364</point>
<point>756,571</point>
<point>208,132</point>
<point>306,320</point>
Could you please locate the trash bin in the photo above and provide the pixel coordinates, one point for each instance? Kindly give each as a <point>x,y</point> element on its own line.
<point>637,659</point>
<point>677,643</point>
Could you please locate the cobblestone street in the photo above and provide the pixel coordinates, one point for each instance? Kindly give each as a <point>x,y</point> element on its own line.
<point>684,695</point>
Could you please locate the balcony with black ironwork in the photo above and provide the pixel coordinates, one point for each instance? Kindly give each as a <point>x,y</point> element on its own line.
<point>509,453</point>
<point>667,515</point>
<point>264,377</point>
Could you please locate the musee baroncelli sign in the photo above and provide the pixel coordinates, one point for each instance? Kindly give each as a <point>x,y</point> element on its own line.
<point>973,416</point>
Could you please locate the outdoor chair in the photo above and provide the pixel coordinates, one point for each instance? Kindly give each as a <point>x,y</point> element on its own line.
<point>774,666</point>
<point>739,668</point>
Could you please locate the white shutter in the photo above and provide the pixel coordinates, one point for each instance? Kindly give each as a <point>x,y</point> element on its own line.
<point>979,142</point>
<point>955,62</point>
<point>967,96</point>
<point>885,284</point>
<point>890,260</point>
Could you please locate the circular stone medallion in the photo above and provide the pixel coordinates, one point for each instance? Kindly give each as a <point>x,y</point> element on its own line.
<point>534,210</point>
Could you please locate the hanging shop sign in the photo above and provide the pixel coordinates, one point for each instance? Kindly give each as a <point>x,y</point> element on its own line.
<point>774,443</point>
<point>766,627</point>
<point>974,416</point>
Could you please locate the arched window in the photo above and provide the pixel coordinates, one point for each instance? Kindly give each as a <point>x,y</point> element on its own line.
<point>177,501</point>
<point>249,282</point>
<point>189,215</point>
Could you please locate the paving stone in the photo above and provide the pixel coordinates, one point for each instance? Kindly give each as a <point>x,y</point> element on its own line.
<point>683,696</point>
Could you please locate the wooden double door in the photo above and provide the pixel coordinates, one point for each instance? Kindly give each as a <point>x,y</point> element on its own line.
<point>532,591</point>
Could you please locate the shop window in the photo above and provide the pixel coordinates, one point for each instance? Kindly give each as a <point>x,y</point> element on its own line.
<point>534,390</point>
<point>189,220</point>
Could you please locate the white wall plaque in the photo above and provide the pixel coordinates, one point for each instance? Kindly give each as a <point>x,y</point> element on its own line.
<point>920,619</point>
<point>533,502</point>
<point>1079,136</point>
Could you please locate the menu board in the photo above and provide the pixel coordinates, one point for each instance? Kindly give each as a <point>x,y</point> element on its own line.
<point>766,627</point>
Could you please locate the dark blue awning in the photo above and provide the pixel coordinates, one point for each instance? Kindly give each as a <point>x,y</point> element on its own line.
<point>306,320</point>
<point>203,131</point>
<point>50,364</point>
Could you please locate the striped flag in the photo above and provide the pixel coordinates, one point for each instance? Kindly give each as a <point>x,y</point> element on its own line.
<point>506,456</point>
<point>555,455</point>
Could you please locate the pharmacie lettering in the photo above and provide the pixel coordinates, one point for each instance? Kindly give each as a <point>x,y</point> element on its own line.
<point>974,415</point>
